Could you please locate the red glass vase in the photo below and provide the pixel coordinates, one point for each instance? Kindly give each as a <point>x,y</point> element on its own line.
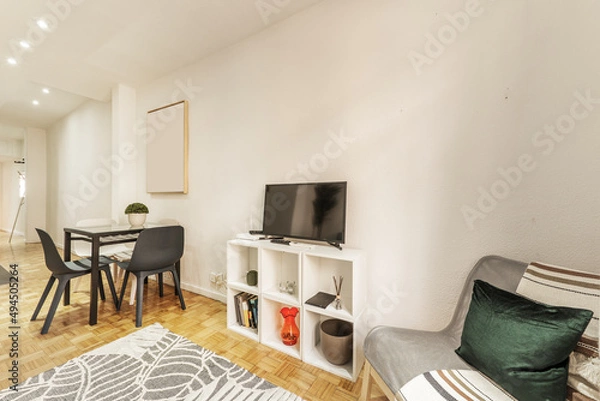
<point>289,331</point>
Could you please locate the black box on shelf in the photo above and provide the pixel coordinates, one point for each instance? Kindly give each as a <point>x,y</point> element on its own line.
<point>321,299</point>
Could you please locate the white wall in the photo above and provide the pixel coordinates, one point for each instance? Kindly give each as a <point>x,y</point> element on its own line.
<point>421,139</point>
<point>9,198</point>
<point>122,161</point>
<point>422,131</point>
<point>79,178</point>
<point>4,194</point>
<point>11,149</point>
<point>35,206</point>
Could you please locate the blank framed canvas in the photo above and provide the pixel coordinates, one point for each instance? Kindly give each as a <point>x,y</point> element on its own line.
<point>167,149</point>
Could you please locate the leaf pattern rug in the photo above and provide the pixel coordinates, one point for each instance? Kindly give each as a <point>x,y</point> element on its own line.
<point>150,364</point>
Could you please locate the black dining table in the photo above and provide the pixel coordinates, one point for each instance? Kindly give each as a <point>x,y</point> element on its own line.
<point>98,237</point>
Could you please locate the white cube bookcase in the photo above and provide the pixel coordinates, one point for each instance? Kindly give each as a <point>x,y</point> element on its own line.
<point>311,267</point>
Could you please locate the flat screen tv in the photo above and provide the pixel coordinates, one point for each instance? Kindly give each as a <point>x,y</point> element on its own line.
<point>312,211</point>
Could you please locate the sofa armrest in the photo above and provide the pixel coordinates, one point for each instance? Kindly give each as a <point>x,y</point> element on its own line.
<point>398,354</point>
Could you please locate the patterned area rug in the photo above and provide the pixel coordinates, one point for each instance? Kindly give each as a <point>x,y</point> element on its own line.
<point>150,364</point>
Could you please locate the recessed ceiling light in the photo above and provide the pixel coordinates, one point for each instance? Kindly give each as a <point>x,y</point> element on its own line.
<point>42,24</point>
<point>11,61</point>
<point>35,102</point>
<point>24,44</point>
<point>46,90</point>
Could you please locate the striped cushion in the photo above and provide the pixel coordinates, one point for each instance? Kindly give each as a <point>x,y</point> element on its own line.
<point>453,385</point>
<point>561,286</point>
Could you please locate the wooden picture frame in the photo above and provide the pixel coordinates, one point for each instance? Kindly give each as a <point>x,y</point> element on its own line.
<point>167,149</point>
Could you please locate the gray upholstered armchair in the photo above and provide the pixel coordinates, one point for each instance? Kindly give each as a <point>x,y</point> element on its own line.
<point>396,355</point>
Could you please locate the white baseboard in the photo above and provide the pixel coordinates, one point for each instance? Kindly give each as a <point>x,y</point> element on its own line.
<point>204,292</point>
<point>209,293</point>
<point>16,233</point>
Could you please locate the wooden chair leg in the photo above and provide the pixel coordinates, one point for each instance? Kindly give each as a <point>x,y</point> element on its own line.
<point>370,375</point>
<point>365,391</point>
<point>75,284</point>
<point>115,270</point>
<point>160,285</point>
<point>133,292</point>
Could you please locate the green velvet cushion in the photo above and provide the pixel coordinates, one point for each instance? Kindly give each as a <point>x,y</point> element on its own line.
<point>522,345</point>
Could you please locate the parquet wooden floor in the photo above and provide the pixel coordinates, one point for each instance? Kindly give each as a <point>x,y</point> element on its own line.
<point>204,322</point>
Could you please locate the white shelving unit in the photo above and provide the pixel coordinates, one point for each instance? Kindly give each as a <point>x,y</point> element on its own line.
<point>311,268</point>
<point>240,259</point>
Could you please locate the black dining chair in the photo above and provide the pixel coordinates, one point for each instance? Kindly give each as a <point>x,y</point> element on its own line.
<point>157,250</point>
<point>64,272</point>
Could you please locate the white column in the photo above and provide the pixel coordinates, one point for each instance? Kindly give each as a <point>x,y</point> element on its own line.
<point>124,151</point>
<point>35,195</point>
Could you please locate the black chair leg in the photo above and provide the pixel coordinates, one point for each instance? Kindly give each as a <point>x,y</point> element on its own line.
<point>123,288</point>
<point>178,270</point>
<point>160,285</point>
<point>101,286</point>
<point>67,298</point>
<point>51,281</point>
<point>139,297</point>
<point>62,283</point>
<point>176,282</point>
<point>111,286</point>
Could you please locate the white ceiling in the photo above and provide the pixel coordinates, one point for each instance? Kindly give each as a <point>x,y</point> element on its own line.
<point>94,44</point>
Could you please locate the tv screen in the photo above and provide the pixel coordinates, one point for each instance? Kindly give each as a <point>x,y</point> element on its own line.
<point>314,211</point>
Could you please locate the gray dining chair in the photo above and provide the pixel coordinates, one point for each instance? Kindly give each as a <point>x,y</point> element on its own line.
<point>125,256</point>
<point>157,250</point>
<point>64,272</point>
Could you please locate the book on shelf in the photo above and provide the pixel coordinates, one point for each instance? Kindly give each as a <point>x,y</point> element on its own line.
<point>245,313</point>
<point>240,301</point>
<point>246,309</point>
<point>236,301</point>
<point>253,301</point>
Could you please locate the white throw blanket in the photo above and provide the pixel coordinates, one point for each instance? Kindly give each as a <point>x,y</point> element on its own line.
<point>458,385</point>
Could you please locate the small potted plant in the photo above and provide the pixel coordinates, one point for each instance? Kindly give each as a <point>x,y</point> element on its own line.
<point>136,214</point>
